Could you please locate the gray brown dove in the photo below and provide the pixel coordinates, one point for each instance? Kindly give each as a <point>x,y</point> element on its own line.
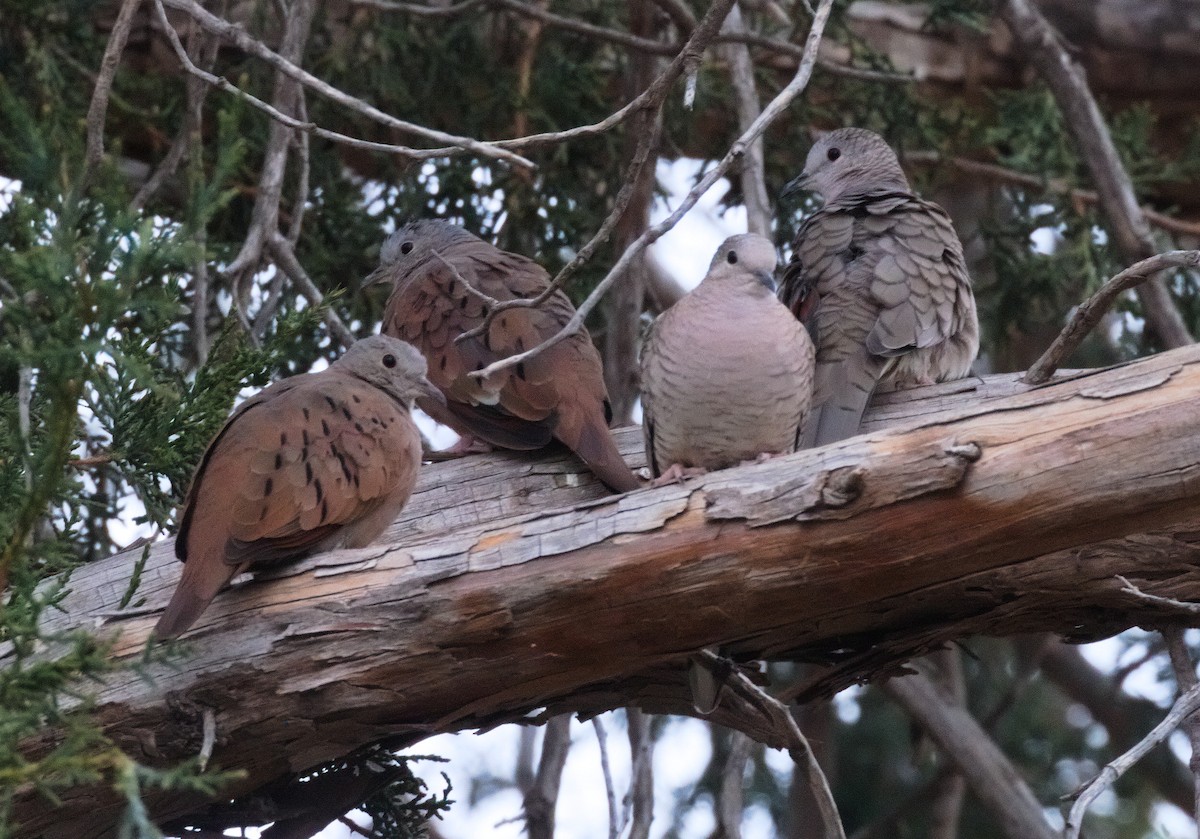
<point>438,273</point>
<point>311,463</point>
<point>878,276</point>
<point>726,371</point>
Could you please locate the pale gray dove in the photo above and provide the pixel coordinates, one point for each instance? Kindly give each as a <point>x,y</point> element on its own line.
<point>438,273</point>
<point>878,276</point>
<point>313,462</point>
<point>726,371</point>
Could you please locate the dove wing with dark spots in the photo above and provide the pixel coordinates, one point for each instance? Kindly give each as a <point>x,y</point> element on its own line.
<point>310,463</point>
<point>558,393</point>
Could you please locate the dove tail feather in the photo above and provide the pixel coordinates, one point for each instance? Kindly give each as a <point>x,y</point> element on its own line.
<point>193,594</point>
<point>849,385</point>
<point>594,444</point>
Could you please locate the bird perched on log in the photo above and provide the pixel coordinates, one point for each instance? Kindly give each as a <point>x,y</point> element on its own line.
<point>313,462</point>
<point>726,371</point>
<point>444,282</point>
<point>878,276</point>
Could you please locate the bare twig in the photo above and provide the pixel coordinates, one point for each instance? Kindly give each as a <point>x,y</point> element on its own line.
<point>237,36</point>
<point>542,798</point>
<point>1185,678</point>
<point>756,700</point>
<point>991,776</point>
<point>1130,229</point>
<point>615,823</point>
<point>264,219</point>
<point>209,738</point>
<point>1184,706</point>
<point>1168,602</point>
<point>1003,174</point>
<point>651,102</point>
<point>769,114</point>
<point>639,801</point>
<point>753,174</point>
<point>285,258</point>
<point>1092,310</point>
<point>98,109</point>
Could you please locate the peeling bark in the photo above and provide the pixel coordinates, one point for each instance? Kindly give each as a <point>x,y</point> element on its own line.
<point>511,583</point>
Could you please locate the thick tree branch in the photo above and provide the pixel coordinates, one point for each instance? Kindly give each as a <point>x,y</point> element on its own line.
<point>1048,53</point>
<point>471,613</point>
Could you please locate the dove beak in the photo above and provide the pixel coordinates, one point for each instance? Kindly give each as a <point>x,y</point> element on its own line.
<point>430,391</point>
<point>379,275</point>
<point>796,185</point>
<point>766,279</point>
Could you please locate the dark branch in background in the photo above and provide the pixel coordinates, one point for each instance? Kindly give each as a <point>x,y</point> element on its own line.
<point>615,823</point>
<point>772,112</point>
<point>1092,310</point>
<point>638,808</point>
<point>1185,679</point>
<point>1047,51</point>
<point>945,810</point>
<point>731,799</point>
<point>990,775</point>
<point>98,109</point>
<point>542,797</point>
<point>1003,174</point>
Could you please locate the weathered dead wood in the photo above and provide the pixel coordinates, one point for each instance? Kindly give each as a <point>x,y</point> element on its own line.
<point>508,586</point>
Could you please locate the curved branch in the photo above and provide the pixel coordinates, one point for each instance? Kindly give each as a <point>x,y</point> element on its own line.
<point>1092,310</point>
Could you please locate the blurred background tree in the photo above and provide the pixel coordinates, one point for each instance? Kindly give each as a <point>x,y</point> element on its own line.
<point>210,249</point>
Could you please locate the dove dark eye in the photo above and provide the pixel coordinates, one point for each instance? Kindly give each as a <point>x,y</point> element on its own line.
<point>406,247</point>
<point>389,360</point>
<point>832,154</point>
<point>732,258</point>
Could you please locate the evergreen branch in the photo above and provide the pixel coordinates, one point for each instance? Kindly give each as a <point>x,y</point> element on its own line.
<point>737,151</point>
<point>239,38</point>
<point>1092,310</point>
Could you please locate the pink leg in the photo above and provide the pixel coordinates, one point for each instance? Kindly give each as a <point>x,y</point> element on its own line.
<point>677,473</point>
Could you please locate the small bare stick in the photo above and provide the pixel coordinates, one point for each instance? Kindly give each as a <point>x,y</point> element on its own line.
<point>1184,706</point>
<point>1092,310</point>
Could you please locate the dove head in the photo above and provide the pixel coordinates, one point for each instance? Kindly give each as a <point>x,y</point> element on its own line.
<point>395,367</point>
<point>848,161</point>
<point>414,244</point>
<point>744,257</point>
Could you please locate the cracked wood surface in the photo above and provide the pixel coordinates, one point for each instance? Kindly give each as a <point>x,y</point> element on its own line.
<point>512,584</point>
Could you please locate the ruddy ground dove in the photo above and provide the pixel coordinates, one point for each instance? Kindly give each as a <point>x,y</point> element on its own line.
<point>441,276</point>
<point>313,462</point>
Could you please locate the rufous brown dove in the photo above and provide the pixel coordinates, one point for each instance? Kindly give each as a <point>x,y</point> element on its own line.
<point>440,274</point>
<point>878,276</point>
<point>313,462</point>
<point>726,371</point>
